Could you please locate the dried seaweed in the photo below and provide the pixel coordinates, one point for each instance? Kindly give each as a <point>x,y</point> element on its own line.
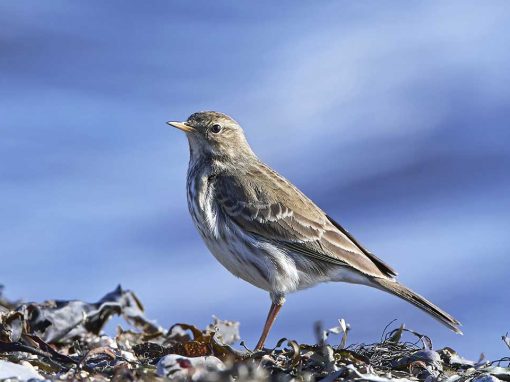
<point>56,321</point>
<point>63,340</point>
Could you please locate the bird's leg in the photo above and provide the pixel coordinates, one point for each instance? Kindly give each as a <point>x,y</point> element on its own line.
<point>276,305</point>
<point>273,312</point>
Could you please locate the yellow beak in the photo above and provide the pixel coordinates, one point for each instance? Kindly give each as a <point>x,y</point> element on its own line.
<point>182,126</point>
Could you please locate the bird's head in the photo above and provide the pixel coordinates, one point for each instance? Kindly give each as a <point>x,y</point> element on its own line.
<point>214,135</point>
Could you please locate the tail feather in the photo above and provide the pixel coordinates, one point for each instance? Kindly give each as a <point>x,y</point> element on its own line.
<point>408,295</point>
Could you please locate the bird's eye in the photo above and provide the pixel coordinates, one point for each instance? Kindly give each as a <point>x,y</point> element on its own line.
<point>215,128</point>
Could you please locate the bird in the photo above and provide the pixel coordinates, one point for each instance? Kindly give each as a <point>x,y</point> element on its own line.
<point>264,230</point>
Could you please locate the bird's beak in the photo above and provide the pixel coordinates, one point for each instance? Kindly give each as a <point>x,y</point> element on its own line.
<point>182,126</point>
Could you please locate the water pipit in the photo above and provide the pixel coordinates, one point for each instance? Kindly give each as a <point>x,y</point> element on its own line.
<point>264,230</point>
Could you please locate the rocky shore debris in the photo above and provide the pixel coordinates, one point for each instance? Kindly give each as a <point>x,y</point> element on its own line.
<point>64,341</point>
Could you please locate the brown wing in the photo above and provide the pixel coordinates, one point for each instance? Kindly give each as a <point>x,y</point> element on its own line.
<point>266,205</point>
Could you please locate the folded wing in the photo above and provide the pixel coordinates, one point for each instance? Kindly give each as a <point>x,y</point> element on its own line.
<point>268,206</point>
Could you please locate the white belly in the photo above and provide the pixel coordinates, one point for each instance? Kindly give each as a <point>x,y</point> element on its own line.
<point>243,260</point>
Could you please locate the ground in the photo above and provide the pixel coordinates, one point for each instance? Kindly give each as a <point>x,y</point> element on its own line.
<point>63,340</point>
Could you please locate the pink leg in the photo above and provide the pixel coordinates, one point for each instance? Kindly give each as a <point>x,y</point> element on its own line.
<point>273,312</point>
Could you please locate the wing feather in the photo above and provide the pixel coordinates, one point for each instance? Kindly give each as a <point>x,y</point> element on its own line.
<point>268,206</point>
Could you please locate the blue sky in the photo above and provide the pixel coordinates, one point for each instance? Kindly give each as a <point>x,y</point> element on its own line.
<point>392,116</point>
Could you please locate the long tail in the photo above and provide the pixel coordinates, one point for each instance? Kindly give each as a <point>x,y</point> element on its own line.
<point>407,294</point>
